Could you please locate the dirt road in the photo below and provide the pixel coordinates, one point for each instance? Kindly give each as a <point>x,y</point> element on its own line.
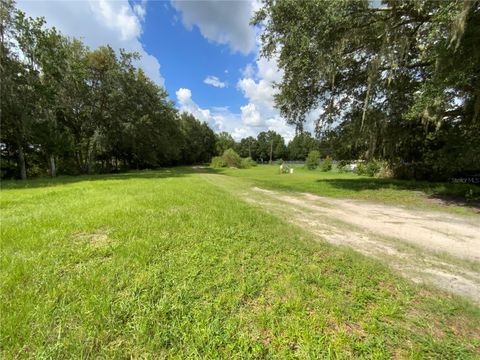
<point>425,246</point>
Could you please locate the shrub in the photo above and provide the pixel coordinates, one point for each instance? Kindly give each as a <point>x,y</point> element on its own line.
<point>280,162</point>
<point>217,162</point>
<point>247,162</point>
<point>313,159</point>
<point>231,158</point>
<point>326,165</point>
<point>371,168</point>
<point>385,171</point>
<point>343,166</point>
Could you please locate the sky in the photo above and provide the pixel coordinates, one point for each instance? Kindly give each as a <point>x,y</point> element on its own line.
<point>205,53</point>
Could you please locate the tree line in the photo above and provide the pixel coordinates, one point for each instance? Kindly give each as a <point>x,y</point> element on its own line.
<point>69,108</point>
<point>398,81</point>
<point>269,146</point>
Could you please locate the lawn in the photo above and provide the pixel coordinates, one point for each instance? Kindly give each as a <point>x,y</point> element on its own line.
<point>166,264</point>
<point>419,194</point>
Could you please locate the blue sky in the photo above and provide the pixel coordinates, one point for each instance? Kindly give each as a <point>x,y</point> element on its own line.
<point>187,58</point>
<point>205,53</point>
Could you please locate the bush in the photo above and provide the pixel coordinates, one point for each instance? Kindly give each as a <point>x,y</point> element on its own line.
<point>313,159</point>
<point>371,168</point>
<point>231,158</point>
<point>280,162</point>
<point>326,165</point>
<point>247,162</point>
<point>343,166</point>
<point>217,162</point>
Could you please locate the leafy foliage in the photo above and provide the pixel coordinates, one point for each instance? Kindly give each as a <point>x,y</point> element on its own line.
<point>397,81</point>
<point>370,168</point>
<point>301,145</point>
<point>326,164</point>
<point>313,160</point>
<point>231,158</point>
<point>70,109</point>
<point>217,162</point>
<point>247,162</point>
<point>271,146</point>
<point>224,141</point>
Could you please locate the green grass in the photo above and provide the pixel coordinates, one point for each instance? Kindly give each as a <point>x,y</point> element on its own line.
<point>167,264</point>
<point>419,194</point>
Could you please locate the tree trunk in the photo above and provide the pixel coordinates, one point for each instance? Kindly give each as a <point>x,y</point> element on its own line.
<point>271,151</point>
<point>21,160</point>
<point>91,155</point>
<point>53,169</point>
<point>79,156</point>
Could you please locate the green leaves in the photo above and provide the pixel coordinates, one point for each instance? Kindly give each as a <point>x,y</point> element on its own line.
<point>374,69</point>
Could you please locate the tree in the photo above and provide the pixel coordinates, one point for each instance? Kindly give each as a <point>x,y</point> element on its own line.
<point>198,140</point>
<point>224,141</point>
<point>248,147</point>
<point>231,158</point>
<point>313,160</point>
<point>271,146</point>
<point>71,109</point>
<point>390,73</point>
<point>301,145</point>
<point>20,80</point>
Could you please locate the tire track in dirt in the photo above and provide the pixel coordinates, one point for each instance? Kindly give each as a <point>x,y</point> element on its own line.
<point>425,246</point>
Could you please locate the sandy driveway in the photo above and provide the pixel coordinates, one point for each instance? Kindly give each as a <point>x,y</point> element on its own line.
<point>425,246</point>
<point>436,232</point>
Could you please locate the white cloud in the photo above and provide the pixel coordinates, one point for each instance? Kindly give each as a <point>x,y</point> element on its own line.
<point>219,118</point>
<point>259,112</point>
<point>279,125</point>
<point>214,81</point>
<point>258,88</point>
<point>222,22</point>
<point>259,93</point>
<point>239,133</point>
<point>250,115</point>
<point>257,85</point>
<point>99,23</point>
<point>140,10</point>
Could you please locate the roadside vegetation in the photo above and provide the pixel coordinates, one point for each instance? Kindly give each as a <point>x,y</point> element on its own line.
<point>120,254</point>
<point>167,264</point>
<point>464,198</point>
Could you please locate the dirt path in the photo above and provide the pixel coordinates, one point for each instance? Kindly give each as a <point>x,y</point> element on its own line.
<point>434,231</point>
<point>426,246</point>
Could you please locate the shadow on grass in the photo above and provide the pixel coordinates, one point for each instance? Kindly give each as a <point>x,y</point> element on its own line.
<point>444,193</point>
<point>141,174</point>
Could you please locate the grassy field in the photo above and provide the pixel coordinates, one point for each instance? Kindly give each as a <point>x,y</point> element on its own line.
<point>167,264</point>
<point>348,185</point>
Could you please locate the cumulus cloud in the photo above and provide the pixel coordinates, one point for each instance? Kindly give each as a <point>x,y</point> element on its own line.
<point>98,23</point>
<point>219,118</point>
<point>140,10</point>
<point>248,71</point>
<point>214,81</point>
<point>258,88</point>
<point>222,22</point>
<point>250,115</point>
<point>259,112</point>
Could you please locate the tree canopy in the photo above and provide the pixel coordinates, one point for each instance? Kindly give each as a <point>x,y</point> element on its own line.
<point>68,108</point>
<point>397,80</point>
